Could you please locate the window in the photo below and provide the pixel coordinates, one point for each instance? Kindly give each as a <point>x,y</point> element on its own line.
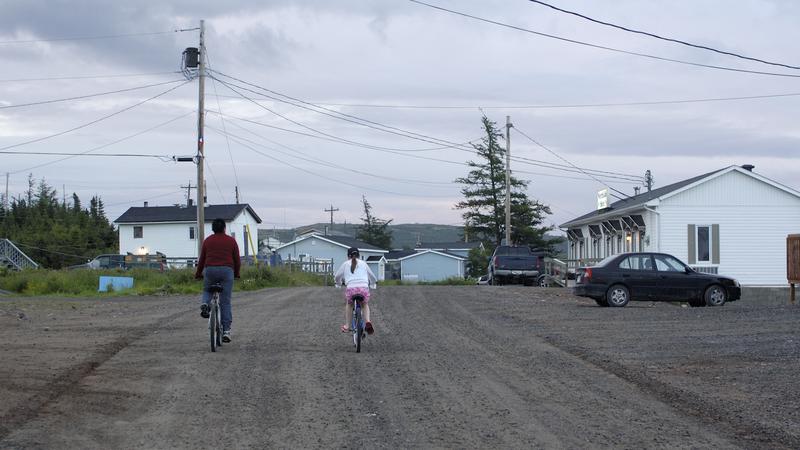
<point>138,233</point>
<point>636,262</point>
<point>666,263</point>
<point>191,233</point>
<point>703,243</point>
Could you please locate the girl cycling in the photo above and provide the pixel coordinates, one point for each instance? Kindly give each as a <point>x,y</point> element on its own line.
<point>356,275</point>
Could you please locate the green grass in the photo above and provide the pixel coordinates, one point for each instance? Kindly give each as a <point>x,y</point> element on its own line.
<point>84,283</point>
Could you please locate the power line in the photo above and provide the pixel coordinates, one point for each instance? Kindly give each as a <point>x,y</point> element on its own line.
<point>81,97</point>
<point>389,150</point>
<point>222,119</point>
<point>162,157</point>
<point>653,35</point>
<point>143,199</point>
<point>576,105</point>
<point>92,77</point>
<point>603,47</point>
<point>602,173</point>
<point>94,121</point>
<point>565,160</point>
<point>330,138</point>
<point>328,163</point>
<point>107,36</point>
<point>326,177</point>
<point>107,144</point>
<point>336,115</point>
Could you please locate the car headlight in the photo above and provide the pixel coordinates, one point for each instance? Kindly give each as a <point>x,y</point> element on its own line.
<point>736,283</point>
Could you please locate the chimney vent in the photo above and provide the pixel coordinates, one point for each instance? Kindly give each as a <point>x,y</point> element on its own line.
<point>188,203</point>
<point>748,167</point>
<point>145,204</point>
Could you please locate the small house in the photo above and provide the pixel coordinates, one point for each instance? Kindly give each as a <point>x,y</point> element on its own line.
<point>172,230</point>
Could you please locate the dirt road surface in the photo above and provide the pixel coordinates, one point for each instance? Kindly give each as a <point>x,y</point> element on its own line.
<point>448,367</point>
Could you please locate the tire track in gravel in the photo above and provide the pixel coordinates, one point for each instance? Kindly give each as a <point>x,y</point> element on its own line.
<point>68,381</point>
<point>556,391</point>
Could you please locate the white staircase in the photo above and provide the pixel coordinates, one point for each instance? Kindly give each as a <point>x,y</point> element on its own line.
<point>13,258</point>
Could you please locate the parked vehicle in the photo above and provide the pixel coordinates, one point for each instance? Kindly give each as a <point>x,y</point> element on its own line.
<point>112,261</point>
<point>652,276</point>
<point>512,264</point>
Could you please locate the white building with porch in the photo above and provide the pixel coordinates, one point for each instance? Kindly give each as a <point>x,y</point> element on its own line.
<point>172,230</point>
<point>732,221</point>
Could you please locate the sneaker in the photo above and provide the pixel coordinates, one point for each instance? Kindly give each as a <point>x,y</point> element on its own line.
<point>368,328</point>
<point>226,336</point>
<point>204,309</point>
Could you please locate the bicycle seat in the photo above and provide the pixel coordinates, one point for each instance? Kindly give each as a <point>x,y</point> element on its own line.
<point>358,298</point>
<point>216,287</point>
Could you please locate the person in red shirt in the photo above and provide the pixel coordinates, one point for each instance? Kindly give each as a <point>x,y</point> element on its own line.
<point>219,262</point>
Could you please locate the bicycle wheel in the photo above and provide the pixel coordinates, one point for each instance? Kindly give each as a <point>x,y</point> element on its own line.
<point>358,329</point>
<point>218,312</point>
<point>212,326</point>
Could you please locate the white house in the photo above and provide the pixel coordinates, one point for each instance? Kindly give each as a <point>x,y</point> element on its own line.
<point>732,221</point>
<point>171,230</point>
<point>317,247</point>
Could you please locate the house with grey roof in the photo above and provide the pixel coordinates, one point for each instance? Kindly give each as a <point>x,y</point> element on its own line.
<point>731,221</point>
<point>424,265</point>
<point>171,230</point>
<point>318,247</point>
<point>456,248</point>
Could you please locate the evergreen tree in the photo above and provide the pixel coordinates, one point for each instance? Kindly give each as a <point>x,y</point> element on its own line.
<point>484,190</point>
<point>374,231</point>
<point>53,234</point>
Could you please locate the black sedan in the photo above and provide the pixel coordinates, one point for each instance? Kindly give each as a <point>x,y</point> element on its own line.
<point>652,276</point>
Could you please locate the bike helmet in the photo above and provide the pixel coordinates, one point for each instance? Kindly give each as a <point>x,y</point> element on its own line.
<point>352,251</point>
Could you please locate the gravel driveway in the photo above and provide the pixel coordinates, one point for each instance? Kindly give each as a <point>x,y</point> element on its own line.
<point>448,367</point>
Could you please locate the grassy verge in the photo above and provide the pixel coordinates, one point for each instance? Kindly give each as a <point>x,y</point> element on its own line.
<point>85,283</point>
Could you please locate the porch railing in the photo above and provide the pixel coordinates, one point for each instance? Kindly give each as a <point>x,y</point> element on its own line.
<point>13,258</point>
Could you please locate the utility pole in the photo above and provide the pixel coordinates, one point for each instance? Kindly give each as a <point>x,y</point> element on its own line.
<point>5,199</point>
<point>201,114</point>
<point>331,211</point>
<point>648,180</point>
<point>508,179</point>
<point>237,194</point>
<point>188,188</point>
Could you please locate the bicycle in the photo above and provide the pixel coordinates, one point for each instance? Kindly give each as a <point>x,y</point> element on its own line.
<point>357,324</point>
<point>215,317</point>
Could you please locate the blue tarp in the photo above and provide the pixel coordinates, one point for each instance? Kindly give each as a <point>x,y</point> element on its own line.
<point>116,283</point>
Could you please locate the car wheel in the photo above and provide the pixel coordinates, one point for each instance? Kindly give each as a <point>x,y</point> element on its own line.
<point>601,302</point>
<point>617,296</point>
<point>715,295</point>
<point>543,281</point>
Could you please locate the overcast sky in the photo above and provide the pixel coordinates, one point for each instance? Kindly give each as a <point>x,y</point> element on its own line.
<point>398,64</point>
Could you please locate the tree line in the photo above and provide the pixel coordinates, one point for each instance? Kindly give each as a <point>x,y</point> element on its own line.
<point>56,234</point>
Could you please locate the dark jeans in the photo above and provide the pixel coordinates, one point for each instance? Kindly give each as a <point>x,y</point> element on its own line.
<point>224,275</point>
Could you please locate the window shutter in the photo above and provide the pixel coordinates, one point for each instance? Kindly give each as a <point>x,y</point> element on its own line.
<point>715,244</point>
<point>692,244</point>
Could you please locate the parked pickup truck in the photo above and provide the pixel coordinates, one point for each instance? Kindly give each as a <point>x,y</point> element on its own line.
<point>512,264</point>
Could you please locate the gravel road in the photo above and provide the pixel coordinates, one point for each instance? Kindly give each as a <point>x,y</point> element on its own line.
<point>448,367</point>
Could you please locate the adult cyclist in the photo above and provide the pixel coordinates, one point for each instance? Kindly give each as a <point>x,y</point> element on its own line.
<point>356,275</point>
<point>219,262</point>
